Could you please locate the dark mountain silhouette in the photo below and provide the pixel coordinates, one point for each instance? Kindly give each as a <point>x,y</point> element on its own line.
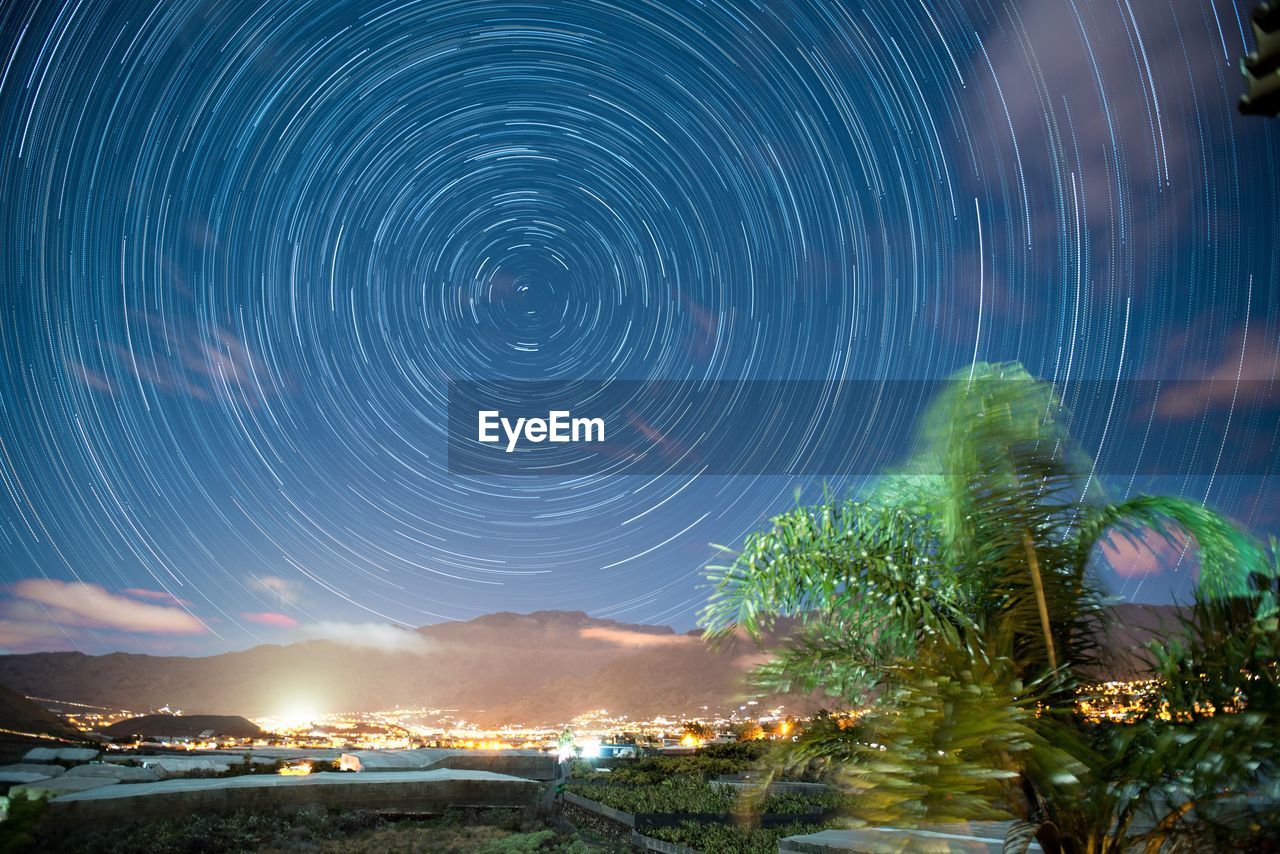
<point>546,666</point>
<point>21,715</point>
<point>1132,626</point>
<point>25,724</point>
<point>683,678</point>
<point>485,663</point>
<point>182,726</point>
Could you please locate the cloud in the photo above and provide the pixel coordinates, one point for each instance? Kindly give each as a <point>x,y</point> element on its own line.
<point>1150,553</point>
<point>375,637</point>
<point>42,609</point>
<point>1072,78</point>
<point>279,589</point>
<point>159,595</point>
<point>1249,370</point>
<point>90,377</point>
<point>627,637</point>
<point>215,365</point>
<point>273,619</point>
<point>31,636</point>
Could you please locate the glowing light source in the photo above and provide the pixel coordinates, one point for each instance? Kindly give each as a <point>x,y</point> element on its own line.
<point>586,748</point>
<point>293,720</point>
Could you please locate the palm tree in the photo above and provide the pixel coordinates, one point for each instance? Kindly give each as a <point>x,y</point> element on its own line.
<point>955,605</point>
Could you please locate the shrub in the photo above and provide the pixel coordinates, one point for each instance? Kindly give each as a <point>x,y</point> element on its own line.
<point>17,833</point>
<point>691,794</point>
<point>731,839</point>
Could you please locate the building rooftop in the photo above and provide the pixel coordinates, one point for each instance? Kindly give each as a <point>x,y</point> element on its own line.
<point>272,781</point>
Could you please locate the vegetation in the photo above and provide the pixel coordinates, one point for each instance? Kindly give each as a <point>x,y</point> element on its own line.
<point>711,761</point>
<point>956,608</point>
<point>687,794</point>
<point>730,839</point>
<point>496,831</point>
<point>18,830</point>
<point>699,729</point>
<point>679,785</point>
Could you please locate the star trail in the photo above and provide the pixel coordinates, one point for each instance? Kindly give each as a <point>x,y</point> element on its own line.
<point>247,246</point>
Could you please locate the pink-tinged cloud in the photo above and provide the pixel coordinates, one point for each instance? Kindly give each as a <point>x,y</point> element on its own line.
<point>626,637</point>
<point>1248,370</point>
<point>90,606</point>
<point>90,377</point>
<point>216,367</point>
<point>703,343</point>
<point>156,595</point>
<point>270,618</point>
<point>31,636</point>
<point>1149,554</point>
<point>668,447</point>
<point>1115,135</point>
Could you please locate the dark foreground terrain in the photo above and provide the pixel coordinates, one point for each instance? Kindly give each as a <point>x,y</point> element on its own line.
<point>494,831</point>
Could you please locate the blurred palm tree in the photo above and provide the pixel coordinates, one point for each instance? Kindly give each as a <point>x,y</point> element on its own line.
<point>956,608</point>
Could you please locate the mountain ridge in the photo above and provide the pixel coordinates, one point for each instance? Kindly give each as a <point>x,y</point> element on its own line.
<point>541,667</point>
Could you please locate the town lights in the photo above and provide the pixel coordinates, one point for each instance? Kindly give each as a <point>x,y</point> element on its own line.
<point>298,718</point>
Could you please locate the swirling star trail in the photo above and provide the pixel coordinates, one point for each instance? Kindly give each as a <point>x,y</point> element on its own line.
<point>246,245</point>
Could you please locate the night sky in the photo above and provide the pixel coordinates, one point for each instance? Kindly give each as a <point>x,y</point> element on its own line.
<point>247,245</point>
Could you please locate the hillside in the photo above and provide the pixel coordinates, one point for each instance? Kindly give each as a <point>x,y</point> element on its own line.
<point>479,664</point>
<point>182,726</point>
<point>25,724</point>
<point>21,715</point>
<point>545,666</point>
<point>1132,627</point>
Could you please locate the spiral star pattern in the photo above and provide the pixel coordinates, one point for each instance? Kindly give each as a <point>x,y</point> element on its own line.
<point>247,245</point>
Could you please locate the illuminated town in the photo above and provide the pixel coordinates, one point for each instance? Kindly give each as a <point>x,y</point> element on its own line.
<point>583,736</point>
<point>402,729</point>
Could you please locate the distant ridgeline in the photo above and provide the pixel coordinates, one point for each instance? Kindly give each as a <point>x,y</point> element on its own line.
<point>545,667</point>
<point>183,726</point>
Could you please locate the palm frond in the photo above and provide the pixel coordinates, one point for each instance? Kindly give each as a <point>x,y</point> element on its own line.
<point>1003,483</point>
<point>854,555</point>
<point>949,737</point>
<point>956,606</point>
<point>1229,558</point>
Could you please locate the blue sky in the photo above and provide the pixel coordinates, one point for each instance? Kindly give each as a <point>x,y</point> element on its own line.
<point>249,244</point>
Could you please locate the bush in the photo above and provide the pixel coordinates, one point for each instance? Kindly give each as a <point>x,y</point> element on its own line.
<point>731,839</point>
<point>746,752</point>
<point>674,795</point>
<point>582,768</point>
<point>690,794</point>
<point>711,761</point>
<point>17,833</point>
<point>495,831</point>
<point>534,843</point>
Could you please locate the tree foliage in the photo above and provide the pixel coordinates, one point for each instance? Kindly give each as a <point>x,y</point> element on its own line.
<point>955,606</point>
